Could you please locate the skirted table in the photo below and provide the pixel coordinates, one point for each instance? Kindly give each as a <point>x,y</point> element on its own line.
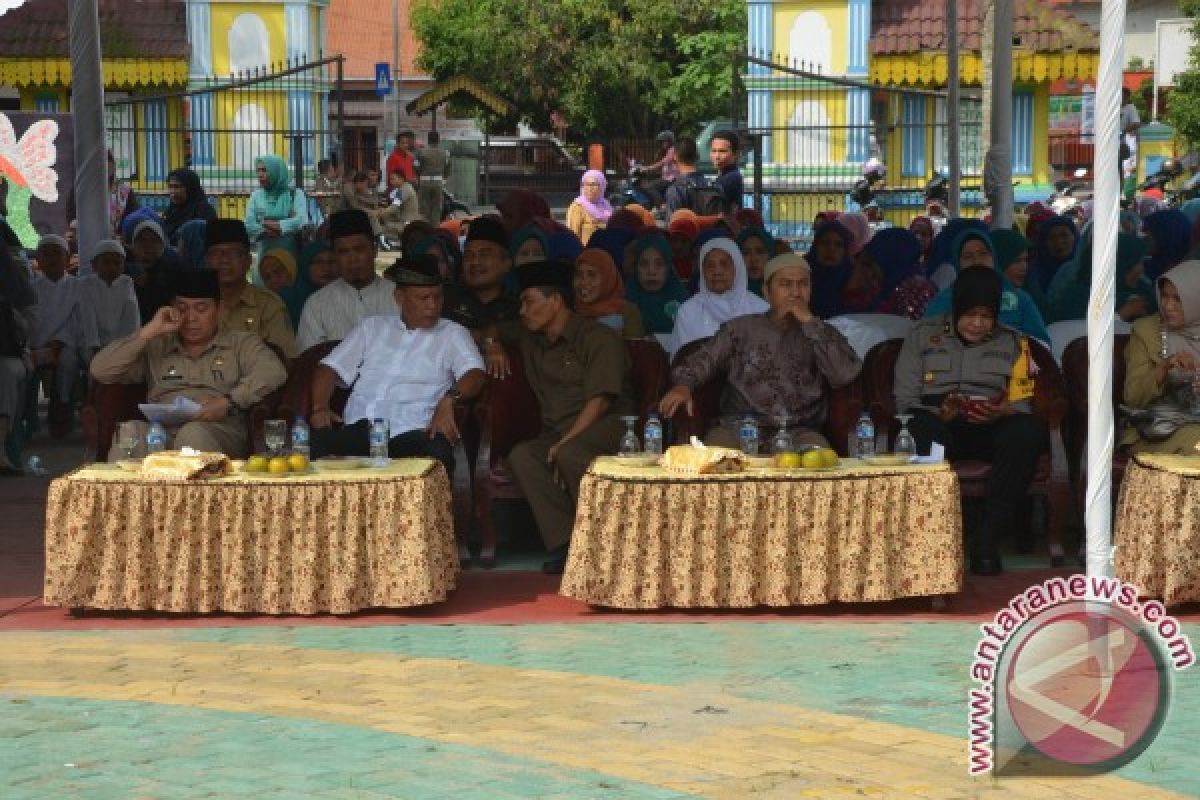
<point>302,544</point>
<point>1157,529</point>
<point>645,538</point>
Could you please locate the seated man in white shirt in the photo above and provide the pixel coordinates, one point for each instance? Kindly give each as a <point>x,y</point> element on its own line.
<point>359,293</point>
<point>107,299</point>
<point>410,368</point>
<point>56,341</point>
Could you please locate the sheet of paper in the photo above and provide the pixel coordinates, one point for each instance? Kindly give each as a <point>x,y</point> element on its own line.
<point>173,414</point>
<point>937,454</point>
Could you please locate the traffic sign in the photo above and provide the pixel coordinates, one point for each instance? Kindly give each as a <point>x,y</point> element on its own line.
<point>383,79</point>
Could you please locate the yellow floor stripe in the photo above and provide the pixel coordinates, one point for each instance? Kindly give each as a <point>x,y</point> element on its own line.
<point>639,732</point>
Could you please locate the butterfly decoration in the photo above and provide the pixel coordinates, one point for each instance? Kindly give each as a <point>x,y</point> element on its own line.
<point>29,162</point>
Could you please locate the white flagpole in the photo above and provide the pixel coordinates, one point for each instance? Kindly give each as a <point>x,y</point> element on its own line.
<point>1105,225</point>
<point>87,112</point>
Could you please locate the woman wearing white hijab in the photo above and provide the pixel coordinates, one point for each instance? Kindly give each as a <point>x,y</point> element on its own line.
<point>1162,362</point>
<point>723,294</point>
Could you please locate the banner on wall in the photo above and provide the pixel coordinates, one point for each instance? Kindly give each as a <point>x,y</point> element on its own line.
<point>37,172</point>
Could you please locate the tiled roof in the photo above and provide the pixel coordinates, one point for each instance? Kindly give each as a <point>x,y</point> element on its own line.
<point>128,29</point>
<point>900,27</point>
<point>361,30</point>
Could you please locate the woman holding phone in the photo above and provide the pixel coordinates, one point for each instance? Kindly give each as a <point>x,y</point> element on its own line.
<point>966,381</point>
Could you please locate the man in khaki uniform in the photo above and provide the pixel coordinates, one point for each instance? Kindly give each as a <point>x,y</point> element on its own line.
<point>182,353</point>
<point>245,307</point>
<point>434,165</point>
<point>580,372</point>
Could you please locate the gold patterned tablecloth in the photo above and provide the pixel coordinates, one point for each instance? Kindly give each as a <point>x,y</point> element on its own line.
<point>646,538</point>
<point>1157,529</point>
<point>297,544</point>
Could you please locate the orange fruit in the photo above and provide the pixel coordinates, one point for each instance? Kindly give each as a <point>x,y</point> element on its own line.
<point>278,466</point>
<point>297,462</point>
<point>788,460</point>
<point>256,464</point>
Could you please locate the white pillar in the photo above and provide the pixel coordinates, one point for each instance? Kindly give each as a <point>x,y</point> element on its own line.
<point>1105,225</point>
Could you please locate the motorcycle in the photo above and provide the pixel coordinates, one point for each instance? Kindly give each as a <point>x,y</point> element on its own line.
<point>631,190</point>
<point>1070,195</point>
<point>452,208</point>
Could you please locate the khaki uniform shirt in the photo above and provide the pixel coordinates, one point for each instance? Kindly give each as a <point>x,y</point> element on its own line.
<point>433,162</point>
<point>934,362</point>
<point>261,311</point>
<point>588,360</point>
<point>236,364</point>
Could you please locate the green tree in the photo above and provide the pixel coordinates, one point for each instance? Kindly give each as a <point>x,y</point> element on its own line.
<point>611,66</point>
<point>1183,111</point>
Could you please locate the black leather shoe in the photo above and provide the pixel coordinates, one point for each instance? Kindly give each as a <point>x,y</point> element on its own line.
<point>556,563</point>
<point>986,566</point>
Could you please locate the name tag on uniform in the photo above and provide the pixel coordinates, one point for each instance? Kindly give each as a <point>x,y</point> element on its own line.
<point>930,377</point>
<point>172,374</point>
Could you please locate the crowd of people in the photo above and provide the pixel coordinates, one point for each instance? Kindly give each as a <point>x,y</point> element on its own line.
<point>217,310</point>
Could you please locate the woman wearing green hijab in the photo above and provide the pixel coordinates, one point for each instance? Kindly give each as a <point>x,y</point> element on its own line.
<point>317,254</point>
<point>1071,288</point>
<point>277,214</point>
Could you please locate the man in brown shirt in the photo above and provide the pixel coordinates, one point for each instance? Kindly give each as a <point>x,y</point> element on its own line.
<point>780,362</point>
<point>580,372</point>
<point>182,353</point>
<point>245,307</point>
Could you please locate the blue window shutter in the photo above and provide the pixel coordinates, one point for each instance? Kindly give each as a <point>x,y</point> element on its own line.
<point>1022,133</point>
<point>913,137</point>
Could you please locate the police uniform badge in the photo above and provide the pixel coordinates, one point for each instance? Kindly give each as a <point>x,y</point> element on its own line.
<point>172,374</point>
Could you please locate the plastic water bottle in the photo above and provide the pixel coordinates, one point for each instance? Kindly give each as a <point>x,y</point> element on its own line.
<point>865,430</point>
<point>652,435</point>
<point>378,438</point>
<point>156,438</point>
<point>748,436</point>
<point>300,437</point>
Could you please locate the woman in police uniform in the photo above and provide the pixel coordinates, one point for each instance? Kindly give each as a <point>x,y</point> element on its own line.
<point>966,381</point>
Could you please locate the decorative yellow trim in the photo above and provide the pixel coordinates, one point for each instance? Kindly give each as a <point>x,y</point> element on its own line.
<point>119,73</point>
<point>441,92</point>
<point>929,68</point>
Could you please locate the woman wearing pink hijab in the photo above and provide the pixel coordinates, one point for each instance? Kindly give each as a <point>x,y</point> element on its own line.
<point>589,212</point>
<point>859,228</point>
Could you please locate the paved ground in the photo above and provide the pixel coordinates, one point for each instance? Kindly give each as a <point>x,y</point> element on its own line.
<point>828,703</point>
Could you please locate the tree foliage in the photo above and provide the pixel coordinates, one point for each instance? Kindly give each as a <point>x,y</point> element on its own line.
<point>1184,108</point>
<point>613,67</point>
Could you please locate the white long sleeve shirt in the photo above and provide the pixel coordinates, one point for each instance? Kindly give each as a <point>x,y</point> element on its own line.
<point>109,312</point>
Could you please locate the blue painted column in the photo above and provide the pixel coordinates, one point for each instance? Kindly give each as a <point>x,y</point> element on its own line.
<point>157,148</point>
<point>858,101</point>
<point>200,117</point>
<point>296,25</point>
<point>760,40</point>
<point>300,123</point>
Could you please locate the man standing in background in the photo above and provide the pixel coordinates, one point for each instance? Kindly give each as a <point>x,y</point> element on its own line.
<point>433,162</point>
